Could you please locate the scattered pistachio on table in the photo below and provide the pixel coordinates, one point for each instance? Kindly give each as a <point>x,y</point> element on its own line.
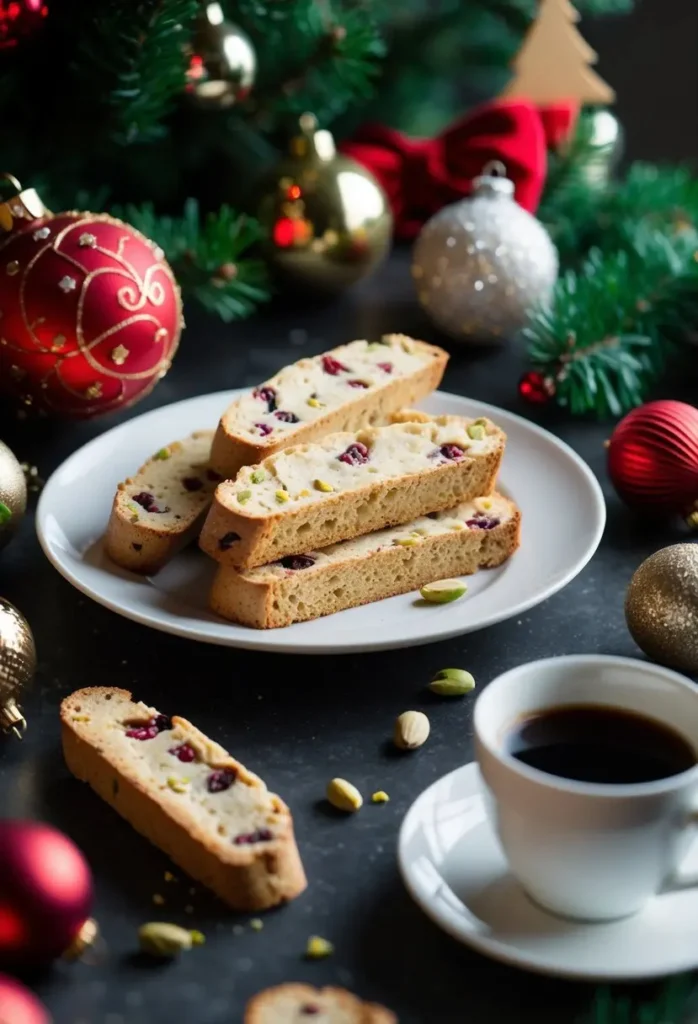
<point>443,591</point>
<point>342,795</point>
<point>158,938</point>
<point>452,682</point>
<point>411,730</point>
<point>318,948</point>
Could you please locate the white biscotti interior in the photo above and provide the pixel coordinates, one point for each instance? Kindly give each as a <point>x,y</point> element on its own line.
<point>306,390</point>
<point>479,514</point>
<point>312,473</point>
<point>288,1007</point>
<point>179,480</point>
<point>243,809</point>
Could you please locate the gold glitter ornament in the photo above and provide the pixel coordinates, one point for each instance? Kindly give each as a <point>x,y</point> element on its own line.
<point>17,666</point>
<point>222,63</point>
<point>327,220</point>
<point>13,494</point>
<point>661,606</point>
<point>481,264</point>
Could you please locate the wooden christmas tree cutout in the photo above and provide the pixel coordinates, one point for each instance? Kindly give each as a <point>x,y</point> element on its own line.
<point>554,61</point>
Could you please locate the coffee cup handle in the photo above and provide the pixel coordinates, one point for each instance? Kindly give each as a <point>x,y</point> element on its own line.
<point>680,879</point>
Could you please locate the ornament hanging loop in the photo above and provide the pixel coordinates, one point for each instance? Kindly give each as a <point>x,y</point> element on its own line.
<point>493,180</point>
<point>25,205</point>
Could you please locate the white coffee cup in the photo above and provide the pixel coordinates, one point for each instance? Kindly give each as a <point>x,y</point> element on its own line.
<point>589,851</point>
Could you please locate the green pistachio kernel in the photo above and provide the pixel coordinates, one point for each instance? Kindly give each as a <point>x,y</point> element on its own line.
<point>452,682</point>
<point>443,591</point>
<point>158,938</point>
<point>244,496</point>
<point>163,454</point>
<point>281,496</point>
<point>476,431</point>
<point>257,476</point>
<point>406,542</point>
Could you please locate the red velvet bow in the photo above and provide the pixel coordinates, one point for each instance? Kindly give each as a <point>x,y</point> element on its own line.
<point>422,175</point>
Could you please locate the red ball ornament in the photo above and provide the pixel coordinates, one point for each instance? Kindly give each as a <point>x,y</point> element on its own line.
<point>653,457</point>
<point>20,19</point>
<point>20,1006</point>
<point>90,311</point>
<point>45,894</point>
<point>535,388</point>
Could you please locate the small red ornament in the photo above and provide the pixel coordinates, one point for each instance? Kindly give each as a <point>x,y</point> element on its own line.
<point>90,311</point>
<point>535,388</point>
<point>20,1006</point>
<point>19,19</point>
<point>45,894</point>
<point>653,457</point>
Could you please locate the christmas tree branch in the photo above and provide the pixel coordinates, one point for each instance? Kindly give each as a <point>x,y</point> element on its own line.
<point>212,259</point>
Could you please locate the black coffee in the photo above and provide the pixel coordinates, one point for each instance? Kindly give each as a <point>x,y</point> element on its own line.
<point>594,743</point>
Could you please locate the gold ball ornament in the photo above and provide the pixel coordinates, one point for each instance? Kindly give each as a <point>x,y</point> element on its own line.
<point>661,606</point>
<point>482,264</point>
<point>13,494</point>
<point>326,219</point>
<point>222,63</point>
<point>17,665</point>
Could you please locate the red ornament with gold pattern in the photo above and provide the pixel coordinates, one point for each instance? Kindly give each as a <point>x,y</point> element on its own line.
<point>45,895</point>
<point>90,312</point>
<point>653,459</point>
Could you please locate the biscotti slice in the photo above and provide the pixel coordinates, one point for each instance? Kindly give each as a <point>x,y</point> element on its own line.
<point>311,496</point>
<point>161,509</point>
<point>477,534</point>
<point>187,795</point>
<point>352,386</point>
<point>291,1004</point>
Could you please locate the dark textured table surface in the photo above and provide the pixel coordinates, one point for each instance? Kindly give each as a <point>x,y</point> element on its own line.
<point>298,721</point>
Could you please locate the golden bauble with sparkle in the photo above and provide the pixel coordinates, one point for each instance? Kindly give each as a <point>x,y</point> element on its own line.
<point>661,606</point>
<point>222,62</point>
<point>17,665</point>
<point>13,494</point>
<point>326,219</point>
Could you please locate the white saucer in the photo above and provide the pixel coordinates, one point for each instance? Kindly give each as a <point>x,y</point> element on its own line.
<point>454,868</point>
<point>562,508</point>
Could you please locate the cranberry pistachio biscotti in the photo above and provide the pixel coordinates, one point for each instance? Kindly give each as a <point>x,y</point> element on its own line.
<point>310,496</point>
<point>292,1003</point>
<point>479,534</point>
<point>355,385</point>
<point>187,795</point>
<point>161,509</point>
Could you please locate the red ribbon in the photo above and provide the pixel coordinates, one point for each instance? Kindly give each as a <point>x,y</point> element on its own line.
<point>422,175</point>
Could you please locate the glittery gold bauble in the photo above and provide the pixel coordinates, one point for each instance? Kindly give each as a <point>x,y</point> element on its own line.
<point>327,220</point>
<point>661,606</point>
<point>17,665</point>
<point>482,264</point>
<point>222,62</point>
<point>13,494</point>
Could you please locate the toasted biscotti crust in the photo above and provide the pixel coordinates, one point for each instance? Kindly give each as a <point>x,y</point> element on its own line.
<point>232,449</point>
<point>285,1004</point>
<point>144,541</point>
<point>251,532</point>
<point>353,573</point>
<point>247,877</point>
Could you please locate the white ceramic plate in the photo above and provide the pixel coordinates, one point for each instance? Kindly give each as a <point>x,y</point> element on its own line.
<point>454,868</point>
<point>562,509</point>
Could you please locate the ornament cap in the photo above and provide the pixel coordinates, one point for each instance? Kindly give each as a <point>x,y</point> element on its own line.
<point>493,180</point>
<point>26,204</point>
<point>12,719</point>
<point>83,941</point>
<point>312,141</point>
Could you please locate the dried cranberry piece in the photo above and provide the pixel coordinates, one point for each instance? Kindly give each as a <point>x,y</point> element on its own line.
<point>147,501</point>
<point>483,523</point>
<point>267,395</point>
<point>286,417</point>
<point>333,366</point>
<point>264,428</point>
<point>221,779</point>
<point>143,732</point>
<point>385,367</point>
<point>260,835</point>
<point>184,752</point>
<point>136,547</point>
<point>310,1008</point>
<point>227,540</point>
<point>358,384</point>
<point>355,455</point>
<point>213,476</point>
<point>192,483</point>
<point>297,562</point>
<point>451,451</point>
<point>161,722</point>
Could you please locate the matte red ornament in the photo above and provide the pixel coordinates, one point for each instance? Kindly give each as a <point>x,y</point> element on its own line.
<point>90,313</point>
<point>20,1006</point>
<point>653,457</point>
<point>19,19</point>
<point>535,388</point>
<point>45,894</point>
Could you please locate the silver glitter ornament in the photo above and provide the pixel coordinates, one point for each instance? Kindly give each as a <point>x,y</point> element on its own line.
<point>661,606</point>
<point>481,264</point>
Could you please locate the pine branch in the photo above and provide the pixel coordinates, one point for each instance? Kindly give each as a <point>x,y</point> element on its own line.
<point>130,63</point>
<point>212,260</point>
<point>672,1005</point>
<point>612,324</point>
